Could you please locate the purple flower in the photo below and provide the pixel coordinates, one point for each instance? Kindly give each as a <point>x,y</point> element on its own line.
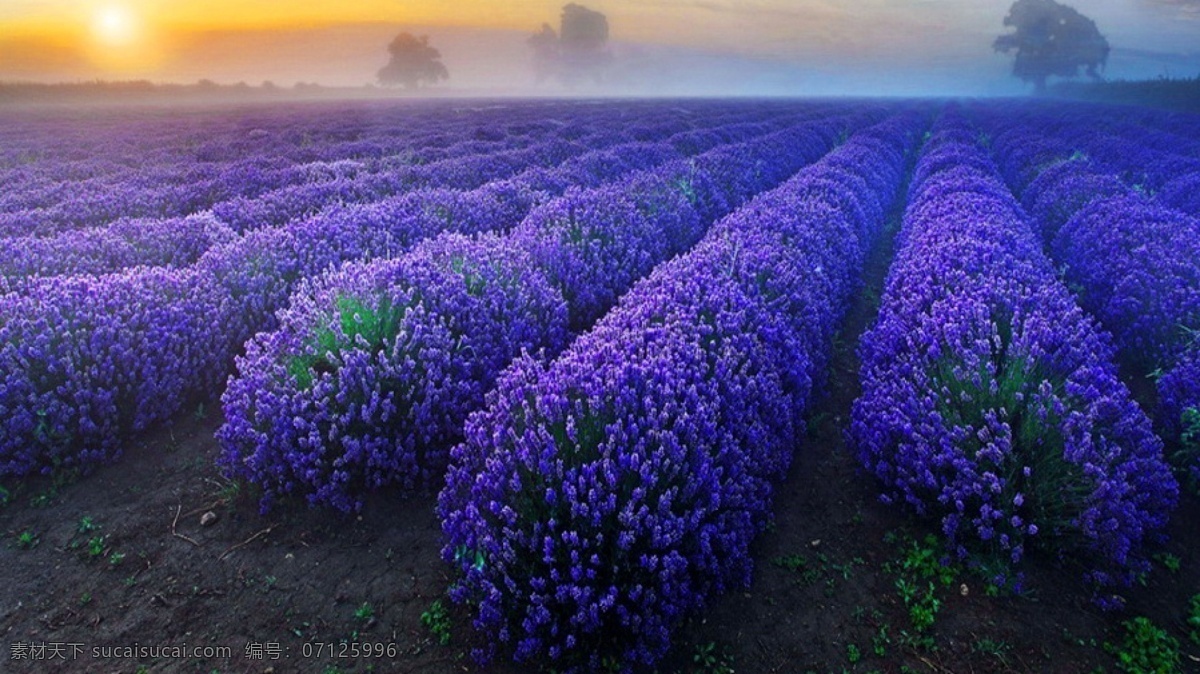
<point>984,382</point>
<point>661,430</point>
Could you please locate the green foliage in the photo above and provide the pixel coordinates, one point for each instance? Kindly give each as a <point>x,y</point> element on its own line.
<point>920,572</point>
<point>374,323</point>
<point>474,281</point>
<point>1170,562</point>
<point>917,641</point>
<point>62,478</point>
<point>86,525</point>
<point>923,560</point>
<point>364,612</point>
<point>922,603</point>
<point>229,491</point>
<point>880,641</point>
<point>1193,619</point>
<point>853,654</point>
<point>96,545</point>
<point>1191,429</point>
<point>791,562</point>
<point>1077,640</point>
<point>1055,492</point>
<point>711,660</point>
<point>687,188</point>
<point>463,552</point>
<point>818,569</point>
<point>847,569</point>
<point>998,650</point>
<point>26,540</point>
<point>1145,649</point>
<point>437,620</point>
<point>1188,454</point>
<point>45,434</point>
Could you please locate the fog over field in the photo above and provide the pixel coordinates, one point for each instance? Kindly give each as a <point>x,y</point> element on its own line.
<point>663,47</point>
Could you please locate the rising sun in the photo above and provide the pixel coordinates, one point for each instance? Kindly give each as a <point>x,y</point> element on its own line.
<point>115,26</point>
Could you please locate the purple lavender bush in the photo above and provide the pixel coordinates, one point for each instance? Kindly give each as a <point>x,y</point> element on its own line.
<point>83,363</point>
<point>600,498</point>
<point>261,270</point>
<point>1136,266</point>
<point>990,400</point>
<point>242,282</point>
<point>594,244</point>
<point>174,242</point>
<point>1063,189</point>
<point>1183,193</point>
<point>591,246</point>
<point>1133,264</point>
<point>374,368</point>
<point>1179,406</point>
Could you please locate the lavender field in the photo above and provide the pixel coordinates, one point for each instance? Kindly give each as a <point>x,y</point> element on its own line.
<point>601,386</point>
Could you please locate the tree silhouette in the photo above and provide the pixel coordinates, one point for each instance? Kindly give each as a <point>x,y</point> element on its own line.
<point>413,62</point>
<point>578,50</point>
<point>545,53</point>
<point>1051,39</point>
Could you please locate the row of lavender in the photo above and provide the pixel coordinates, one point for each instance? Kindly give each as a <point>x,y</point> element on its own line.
<point>990,399</point>
<point>179,166</point>
<point>374,370</point>
<point>601,497</point>
<point>262,269</point>
<point>117,166</point>
<point>1134,263</point>
<point>295,201</point>
<point>86,360</point>
<point>1128,146</point>
<point>1165,165</point>
<point>180,241</point>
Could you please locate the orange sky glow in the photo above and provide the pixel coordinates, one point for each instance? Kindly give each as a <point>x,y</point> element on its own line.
<point>339,42</point>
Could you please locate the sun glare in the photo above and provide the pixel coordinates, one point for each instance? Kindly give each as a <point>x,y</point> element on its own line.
<point>121,41</point>
<point>115,26</point>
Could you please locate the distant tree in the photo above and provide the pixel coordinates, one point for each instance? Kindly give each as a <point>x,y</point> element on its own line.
<point>545,53</point>
<point>1051,39</point>
<point>412,62</point>
<point>578,50</point>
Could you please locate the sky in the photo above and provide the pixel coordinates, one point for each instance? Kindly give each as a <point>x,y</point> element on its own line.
<point>810,47</point>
